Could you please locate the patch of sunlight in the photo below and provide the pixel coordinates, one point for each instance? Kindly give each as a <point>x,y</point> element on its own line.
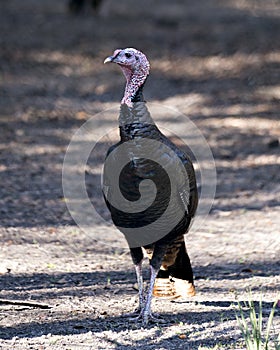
<point>187,100</point>
<point>217,65</point>
<point>3,168</point>
<point>241,121</point>
<point>270,91</point>
<point>255,7</point>
<point>68,63</point>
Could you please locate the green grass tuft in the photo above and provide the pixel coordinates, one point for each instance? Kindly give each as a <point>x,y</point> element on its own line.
<point>252,328</point>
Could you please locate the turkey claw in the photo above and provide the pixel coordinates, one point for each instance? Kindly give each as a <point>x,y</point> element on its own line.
<point>147,318</point>
<point>132,315</point>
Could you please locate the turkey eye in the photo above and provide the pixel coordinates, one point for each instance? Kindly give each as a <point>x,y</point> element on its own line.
<point>128,55</point>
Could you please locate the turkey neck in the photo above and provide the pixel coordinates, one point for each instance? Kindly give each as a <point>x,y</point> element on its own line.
<point>135,121</point>
<point>135,81</point>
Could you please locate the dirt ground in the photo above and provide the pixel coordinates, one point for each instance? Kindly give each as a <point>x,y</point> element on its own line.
<point>216,61</point>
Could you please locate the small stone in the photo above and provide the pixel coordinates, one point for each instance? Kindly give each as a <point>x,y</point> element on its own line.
<point>182,336</point>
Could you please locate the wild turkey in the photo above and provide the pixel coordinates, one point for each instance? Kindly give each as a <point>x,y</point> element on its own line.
<point>157,229</point>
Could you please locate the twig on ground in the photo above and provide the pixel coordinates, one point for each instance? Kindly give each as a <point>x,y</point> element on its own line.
<point>25,303</point>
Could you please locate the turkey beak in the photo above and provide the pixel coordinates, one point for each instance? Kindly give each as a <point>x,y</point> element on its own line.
<point>109,59</point>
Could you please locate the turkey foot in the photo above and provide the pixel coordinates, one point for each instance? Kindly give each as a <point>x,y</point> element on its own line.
<point>133,314</point>
<point>146,314</point>
<point>137,316</point>
<point>147,318</point>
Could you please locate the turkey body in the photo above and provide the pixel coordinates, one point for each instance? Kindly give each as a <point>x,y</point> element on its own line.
<point>157,229</point>
<point>137,127</point>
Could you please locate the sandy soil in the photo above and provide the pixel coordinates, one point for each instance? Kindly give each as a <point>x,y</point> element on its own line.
<point>219,63</point>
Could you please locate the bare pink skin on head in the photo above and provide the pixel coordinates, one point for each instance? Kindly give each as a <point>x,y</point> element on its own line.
<point>135,67</point>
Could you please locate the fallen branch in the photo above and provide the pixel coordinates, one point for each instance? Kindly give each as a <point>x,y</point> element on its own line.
<point>24,303</point>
